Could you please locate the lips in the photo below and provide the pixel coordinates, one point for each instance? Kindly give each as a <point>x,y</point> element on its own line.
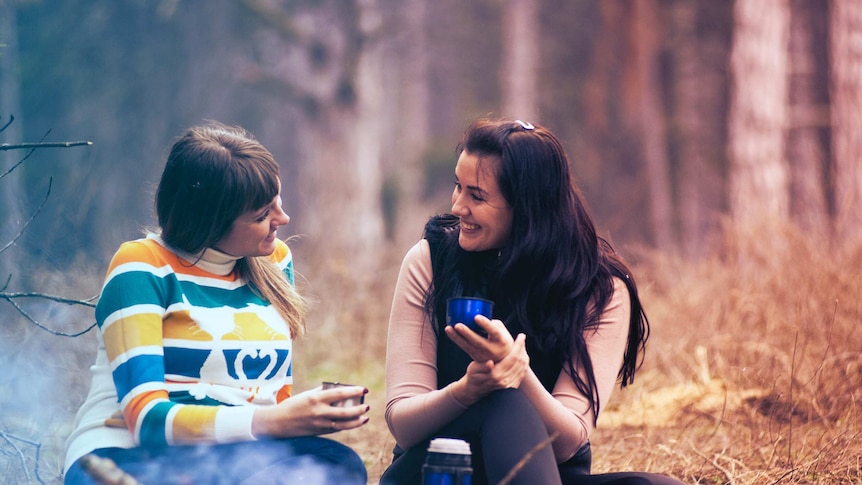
<point>469,227</point>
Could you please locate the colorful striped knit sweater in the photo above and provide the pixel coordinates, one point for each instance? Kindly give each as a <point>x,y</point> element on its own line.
<point>186,352</point>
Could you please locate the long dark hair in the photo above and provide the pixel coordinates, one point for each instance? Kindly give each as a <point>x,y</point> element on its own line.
<point>553,279</point>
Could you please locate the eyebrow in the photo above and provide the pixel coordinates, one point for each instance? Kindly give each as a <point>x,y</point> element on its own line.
<point>473,187</point>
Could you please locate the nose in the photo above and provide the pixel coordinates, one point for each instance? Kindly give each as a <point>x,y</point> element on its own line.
<point>280,217</point>
<point>458,207</point>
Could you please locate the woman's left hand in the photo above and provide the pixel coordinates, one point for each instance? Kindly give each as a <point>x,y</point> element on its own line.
<point>494,347</point>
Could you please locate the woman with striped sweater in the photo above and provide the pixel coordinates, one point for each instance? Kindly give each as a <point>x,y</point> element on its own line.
<point>193,375</point>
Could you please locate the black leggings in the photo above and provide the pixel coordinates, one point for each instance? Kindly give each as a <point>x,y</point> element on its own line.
<point>309,460</point>
<point>502,428</point>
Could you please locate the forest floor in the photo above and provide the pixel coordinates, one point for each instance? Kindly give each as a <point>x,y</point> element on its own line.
<point>753,372</point>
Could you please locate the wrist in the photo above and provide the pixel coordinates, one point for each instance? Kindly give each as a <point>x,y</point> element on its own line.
<point>460,392</point>
<point>260,422</point>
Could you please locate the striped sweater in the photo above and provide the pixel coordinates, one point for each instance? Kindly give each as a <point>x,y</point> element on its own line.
<point>186,351</point>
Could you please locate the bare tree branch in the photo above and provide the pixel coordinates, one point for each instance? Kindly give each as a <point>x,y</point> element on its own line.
<point>10,297</point>
<point>11,169</point>
<point>56,144</point>
<point>9,437</point>
<point>11,119</point>
<point>38,210</point>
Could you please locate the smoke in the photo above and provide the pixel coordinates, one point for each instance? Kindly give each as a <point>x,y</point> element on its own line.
<point>44,380</point>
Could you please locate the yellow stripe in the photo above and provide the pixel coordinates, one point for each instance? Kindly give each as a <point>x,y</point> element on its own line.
<point>143,329</point>
<point>194,423</point>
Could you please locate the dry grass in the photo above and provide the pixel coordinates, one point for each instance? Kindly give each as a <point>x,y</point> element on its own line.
<point>753,374</point>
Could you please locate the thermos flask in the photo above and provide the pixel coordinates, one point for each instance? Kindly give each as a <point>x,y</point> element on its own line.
<point>448,462</point>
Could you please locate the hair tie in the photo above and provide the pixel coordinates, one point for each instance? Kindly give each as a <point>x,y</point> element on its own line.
<point>525,125</point>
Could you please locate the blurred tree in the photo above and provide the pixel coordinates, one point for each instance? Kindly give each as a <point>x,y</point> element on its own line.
<point>645,106</point>
<point>846,106</point>
<point>758,167</point>
<point>409,120</point>
<point>520,67</point>
<point>808,117</point>
<point>10,132</point>
<point>325,57</point>
<point>697,83</point>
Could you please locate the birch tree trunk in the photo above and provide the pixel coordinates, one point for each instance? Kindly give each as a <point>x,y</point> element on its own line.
<point>846,50</point>
<point>806,152</point>
<point>758,168</point>
<point>520,59</point>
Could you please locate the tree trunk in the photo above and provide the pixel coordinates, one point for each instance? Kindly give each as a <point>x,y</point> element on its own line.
<point>758,170</point>
<point>11,190</point>
<point>846,50</point>
<point>520,59</point>
<point>409,148</point>
<point>697,90</point>
<point>806,152</point>
<point>645,88</point>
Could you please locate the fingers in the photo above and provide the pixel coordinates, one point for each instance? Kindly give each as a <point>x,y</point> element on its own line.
<point>342,419</point>
<point>343,396</point>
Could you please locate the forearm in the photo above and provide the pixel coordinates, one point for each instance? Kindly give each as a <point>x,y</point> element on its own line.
<point>572,429</point>
<point>413,419</point>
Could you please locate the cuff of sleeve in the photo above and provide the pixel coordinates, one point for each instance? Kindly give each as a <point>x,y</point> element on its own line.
<point>233,424</point>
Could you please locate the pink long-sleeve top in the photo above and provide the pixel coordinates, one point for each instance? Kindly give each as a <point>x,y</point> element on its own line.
<point>415,408</point>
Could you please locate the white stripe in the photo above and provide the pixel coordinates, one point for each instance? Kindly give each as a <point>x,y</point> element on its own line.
<point>141,389</point>
<point>132,311</point>
<point>211,282</point>
<point>138,266</point>
<point>169,424</point>
<point>121,359</point>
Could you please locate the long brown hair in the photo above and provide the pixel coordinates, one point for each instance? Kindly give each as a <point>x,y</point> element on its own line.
<point>215,173</point>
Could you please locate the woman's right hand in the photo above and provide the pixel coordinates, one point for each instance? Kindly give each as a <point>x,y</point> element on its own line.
<point>483,378</point>
<point>311,413</point>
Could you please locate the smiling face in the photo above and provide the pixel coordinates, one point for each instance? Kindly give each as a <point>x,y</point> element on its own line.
<point>486,217</point>
<point>253,233</point>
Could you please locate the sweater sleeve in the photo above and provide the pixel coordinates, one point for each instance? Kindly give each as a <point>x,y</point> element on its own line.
<point>414,405</point>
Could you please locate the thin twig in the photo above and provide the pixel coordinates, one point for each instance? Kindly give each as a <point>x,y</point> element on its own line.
<point>9,437</point>
<point>11,119</point>
<point>43,327</point>
<point>24,158</point>
<point>20,454</point>
<point>59,299</point>
<point>714,462</point>
<point>523,461</point>
<point>50,144</point>
<point>38,210</point>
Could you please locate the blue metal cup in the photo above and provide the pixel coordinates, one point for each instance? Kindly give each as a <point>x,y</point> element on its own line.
<point>464,310</point>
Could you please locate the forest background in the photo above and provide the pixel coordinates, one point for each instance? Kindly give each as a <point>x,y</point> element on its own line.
<point>717,143</point>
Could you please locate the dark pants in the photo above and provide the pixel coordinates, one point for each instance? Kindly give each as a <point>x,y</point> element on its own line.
<point>308,460</point>
<point>503,428</point>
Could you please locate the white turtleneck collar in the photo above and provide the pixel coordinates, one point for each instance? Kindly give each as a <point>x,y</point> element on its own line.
<point>210,259</point>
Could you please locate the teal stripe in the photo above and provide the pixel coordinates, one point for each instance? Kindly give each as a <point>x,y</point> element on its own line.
<point>132,288</point>
<point>153,428</point>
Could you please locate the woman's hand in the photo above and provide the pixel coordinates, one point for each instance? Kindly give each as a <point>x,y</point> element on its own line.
<point>483,378</point>
<point>311,413</point>
<point>494,347</point>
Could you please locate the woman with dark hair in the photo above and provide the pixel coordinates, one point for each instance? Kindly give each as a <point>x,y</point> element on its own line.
<point>567,325</point>
<point>193,380</point>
